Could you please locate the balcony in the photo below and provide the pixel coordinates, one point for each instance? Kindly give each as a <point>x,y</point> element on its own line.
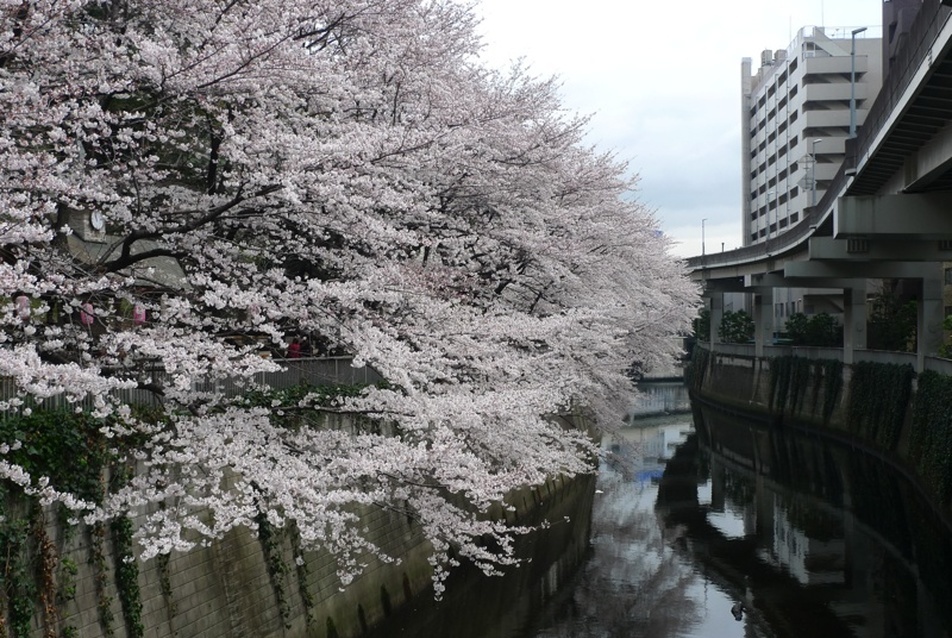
<point>839,92</point>
<point>832,119</point>
<point>835,64</point>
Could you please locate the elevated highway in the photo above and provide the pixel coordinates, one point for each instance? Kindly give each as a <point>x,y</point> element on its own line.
<point>886,214</point>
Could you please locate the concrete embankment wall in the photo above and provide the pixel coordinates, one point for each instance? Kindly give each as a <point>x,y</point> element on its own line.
<point>885,409</point>
<point>74,581</point>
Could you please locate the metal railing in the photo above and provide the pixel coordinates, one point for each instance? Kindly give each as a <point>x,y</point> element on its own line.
<point>746,350</point>
<point>323,371</point>
<point>926,26</point>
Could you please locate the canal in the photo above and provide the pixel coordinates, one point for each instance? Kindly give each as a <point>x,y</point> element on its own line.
<point>695,534</point>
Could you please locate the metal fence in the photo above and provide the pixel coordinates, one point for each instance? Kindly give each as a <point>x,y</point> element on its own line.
<point>746,350</point>
<point>316,371</point>
<point>324,371</point>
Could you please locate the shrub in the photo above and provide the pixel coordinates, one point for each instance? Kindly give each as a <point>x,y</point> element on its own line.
<point>736,327</point>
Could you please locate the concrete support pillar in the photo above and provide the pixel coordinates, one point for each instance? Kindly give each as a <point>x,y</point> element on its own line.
<point>763,320</point>
<point>717,315</point>
<point>718,486</point>
<point>854,320</point>
<point>931,313</point>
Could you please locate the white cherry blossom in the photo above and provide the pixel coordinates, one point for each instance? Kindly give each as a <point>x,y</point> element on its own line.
<point>346,171</point>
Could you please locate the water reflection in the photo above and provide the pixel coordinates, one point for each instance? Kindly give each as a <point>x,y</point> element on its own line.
<point>737,530</point>
<point>639,580</point>
<point>832,542</point>
<point>796,537</point>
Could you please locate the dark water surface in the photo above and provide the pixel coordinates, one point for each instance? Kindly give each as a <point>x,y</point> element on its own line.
<point>812,540</point>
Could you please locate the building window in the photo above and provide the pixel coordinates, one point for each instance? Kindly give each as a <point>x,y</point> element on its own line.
<point>948,275</point>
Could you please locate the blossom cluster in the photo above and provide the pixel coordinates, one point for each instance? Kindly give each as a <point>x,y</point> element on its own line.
<point>187,185</point>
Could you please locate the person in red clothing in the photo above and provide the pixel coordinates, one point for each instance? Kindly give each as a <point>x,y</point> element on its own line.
<point>294,349</point>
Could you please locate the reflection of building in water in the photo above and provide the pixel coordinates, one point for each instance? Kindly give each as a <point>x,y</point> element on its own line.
<point>732,508</point>
<point>663,441</point>
<point>651,444</point>
<point>839,561</point>
<point>811,560</point>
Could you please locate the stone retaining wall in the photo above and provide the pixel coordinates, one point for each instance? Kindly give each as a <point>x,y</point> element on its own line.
<point>882,409</point>
<point>241,586</point>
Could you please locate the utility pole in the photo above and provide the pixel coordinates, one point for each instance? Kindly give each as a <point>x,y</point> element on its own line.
<point>855,32</point>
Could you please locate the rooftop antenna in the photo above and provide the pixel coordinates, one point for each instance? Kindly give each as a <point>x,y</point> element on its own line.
<point>822,19</point>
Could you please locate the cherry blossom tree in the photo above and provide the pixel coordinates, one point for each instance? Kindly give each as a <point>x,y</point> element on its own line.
<point>229,174</point>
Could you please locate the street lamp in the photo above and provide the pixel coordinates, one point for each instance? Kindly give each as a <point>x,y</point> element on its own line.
<point>702,235</point>
<point>853,80</point>
<point>813,171</point>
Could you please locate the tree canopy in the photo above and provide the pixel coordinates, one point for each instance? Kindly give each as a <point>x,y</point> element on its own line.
<point>188,182</point>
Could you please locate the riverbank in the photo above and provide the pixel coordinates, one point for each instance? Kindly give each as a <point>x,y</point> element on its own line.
<point>885,409</point>
<point>62,578</point>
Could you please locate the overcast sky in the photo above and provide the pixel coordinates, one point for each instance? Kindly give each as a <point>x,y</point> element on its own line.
<point>662,82</point>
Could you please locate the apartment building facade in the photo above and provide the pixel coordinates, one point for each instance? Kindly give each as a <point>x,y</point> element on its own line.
<point>796,117</point>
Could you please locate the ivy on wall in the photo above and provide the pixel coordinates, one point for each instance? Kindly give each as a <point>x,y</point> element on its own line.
<point>788,382</point>
<point>879,400</point>
<point>791,376</point>
<point>695,371</point>
<point>278,569</point>
<point>303,395</point>
<point>303,574</point>
<point>930,441</point>
<point>17,576</point>
<point>97,558</point>
<point>69,449</point>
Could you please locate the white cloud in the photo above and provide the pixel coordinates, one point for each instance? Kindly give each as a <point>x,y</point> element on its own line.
<point>662,82</point>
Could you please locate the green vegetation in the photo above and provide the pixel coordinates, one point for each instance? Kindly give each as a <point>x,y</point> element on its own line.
<point>127,576</point>
<point>18,585</point>
<point>278,569</point>
<point>819,330</point>
<point>930,444</point>
<point>702,325</point>
<point>945,350</point>
<point>892,323</point>
<point>64,446</point>
<point>70,450</point>
<point>792,376</point>
<point>736,327</point>
<point>696,369</point>
<point>879,399</point>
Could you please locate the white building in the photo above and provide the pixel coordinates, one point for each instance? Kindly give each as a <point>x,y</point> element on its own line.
<point>796,118</point>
